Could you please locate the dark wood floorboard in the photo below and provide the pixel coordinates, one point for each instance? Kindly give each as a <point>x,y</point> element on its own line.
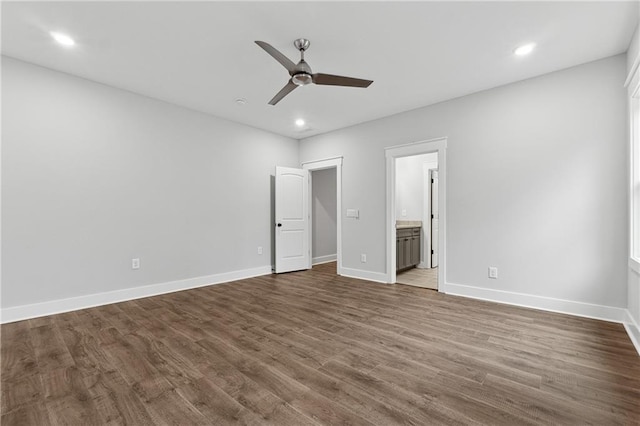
<point>309,348</point>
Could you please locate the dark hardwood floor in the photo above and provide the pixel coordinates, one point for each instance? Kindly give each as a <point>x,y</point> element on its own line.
<point>314,348</point>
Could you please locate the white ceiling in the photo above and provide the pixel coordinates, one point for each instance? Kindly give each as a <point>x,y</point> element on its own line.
<point>203,56</point>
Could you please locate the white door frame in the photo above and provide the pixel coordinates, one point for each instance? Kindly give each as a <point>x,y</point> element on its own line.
<point>438,145</point>
<point>328,163</point>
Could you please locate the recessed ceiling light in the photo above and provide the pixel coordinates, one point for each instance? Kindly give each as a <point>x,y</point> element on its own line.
<point>299,122</point>
<point>525,49</point>
<point>63,39</point>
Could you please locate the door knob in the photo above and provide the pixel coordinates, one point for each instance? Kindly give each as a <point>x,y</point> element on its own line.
<point>279,225</point>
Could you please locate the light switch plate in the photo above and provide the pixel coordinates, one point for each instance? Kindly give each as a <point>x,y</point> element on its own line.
<point>493,272</point>
<point>353,213</point>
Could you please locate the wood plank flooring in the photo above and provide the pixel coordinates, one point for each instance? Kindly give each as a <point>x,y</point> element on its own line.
<point>311,348</point>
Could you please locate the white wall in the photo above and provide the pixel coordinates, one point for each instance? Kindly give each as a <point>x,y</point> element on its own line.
<point>633,51</point>
<point>410,191</point>
<point>536,184</point>
<point>324,204</point>
<point>94,176</point>
<point>633,286</point>
<point>633,295</point>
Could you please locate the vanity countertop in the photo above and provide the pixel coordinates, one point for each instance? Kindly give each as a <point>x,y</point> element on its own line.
<point>403,224</point>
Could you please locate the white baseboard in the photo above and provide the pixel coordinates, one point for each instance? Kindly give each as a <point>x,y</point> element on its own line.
<point>23,312</point>
<point>607,313</point>
<point>324,259</point>
<point>601,312</point>
<point>633,330</point>
<point>378,277</point>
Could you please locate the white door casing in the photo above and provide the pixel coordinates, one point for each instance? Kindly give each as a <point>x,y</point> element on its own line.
<point>292,220</point>
<point>434,218</point>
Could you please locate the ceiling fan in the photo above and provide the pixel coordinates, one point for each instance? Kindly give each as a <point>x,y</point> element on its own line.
<point>301,74</point>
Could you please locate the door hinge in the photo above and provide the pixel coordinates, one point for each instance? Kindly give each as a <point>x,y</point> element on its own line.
<point>431,251</point>
<point>432,181</point>
<point>432,216</point>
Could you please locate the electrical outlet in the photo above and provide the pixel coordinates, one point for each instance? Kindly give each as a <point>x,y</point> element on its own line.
<point>363,258</point>
<point>404,212</point>
<point>493,272</point>
<point>259,249</point>
<point>135,263</point>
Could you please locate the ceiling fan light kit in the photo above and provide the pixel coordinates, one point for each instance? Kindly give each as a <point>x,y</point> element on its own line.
<point>302,79</point>
<point>301,73</point>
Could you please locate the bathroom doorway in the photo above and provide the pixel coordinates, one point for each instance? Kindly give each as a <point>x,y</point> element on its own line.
<point>415,244</point>
<point>417,218</point>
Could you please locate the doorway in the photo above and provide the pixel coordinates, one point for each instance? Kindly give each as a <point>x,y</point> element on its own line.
<point>325,207</point>
<point>396,227</point>
<point>417,220</point>
<point>323,216</point>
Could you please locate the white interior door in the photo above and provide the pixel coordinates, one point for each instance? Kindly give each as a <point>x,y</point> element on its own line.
<point>434,218</point>
<point>292,219</point>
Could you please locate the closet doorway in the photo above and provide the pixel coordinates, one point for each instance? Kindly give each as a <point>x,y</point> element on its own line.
<point>325,206</point>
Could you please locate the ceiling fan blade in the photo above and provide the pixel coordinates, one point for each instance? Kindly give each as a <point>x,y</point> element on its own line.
<point>283,92</point>
<point>286,62</point>
<point>338,80</point>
